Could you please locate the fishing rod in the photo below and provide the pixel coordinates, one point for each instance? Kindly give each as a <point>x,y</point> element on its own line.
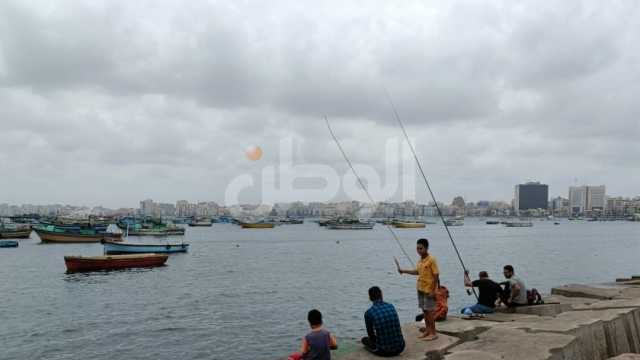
<point>424,177</point>
<point>366,191</point>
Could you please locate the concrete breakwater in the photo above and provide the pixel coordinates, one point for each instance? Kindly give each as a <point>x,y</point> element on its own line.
<point>578,322</point>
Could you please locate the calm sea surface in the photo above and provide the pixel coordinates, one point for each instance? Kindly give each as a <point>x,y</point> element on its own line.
<point>244,294</point>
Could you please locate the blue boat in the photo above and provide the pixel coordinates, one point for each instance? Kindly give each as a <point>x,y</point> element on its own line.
<point>8,243</point>
<point>113,248</point>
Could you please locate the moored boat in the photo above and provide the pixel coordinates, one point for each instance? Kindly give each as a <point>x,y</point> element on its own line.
<point>408,225</point>
<point>454,222</point>
<point>15,234</point>
<point>201,222</point>
<point>350,224</point>
<point>8,243</point>
<point>55,234</point>
<point>518,224</point>
<point>113,262</point>
<point>111,248</point>
<point>259,225</point>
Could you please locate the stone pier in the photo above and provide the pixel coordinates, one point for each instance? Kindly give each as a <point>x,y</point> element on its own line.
<point>578,322</point>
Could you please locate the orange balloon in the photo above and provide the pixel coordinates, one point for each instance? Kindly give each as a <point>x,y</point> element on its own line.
<point>253,153</point>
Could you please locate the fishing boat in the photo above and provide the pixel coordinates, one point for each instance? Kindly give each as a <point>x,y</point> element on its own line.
<point>518,224</point>
<point>408,224</point>
<point>454,222</point>
<point>149,227</point>
<point>8,243</point>
<point>15,234</point>
<point>111,248</point>
<point>257,225</point>
<point>350,224</point>
<point>201,222</point>
<point>113,262</point>
<point>58,234</point>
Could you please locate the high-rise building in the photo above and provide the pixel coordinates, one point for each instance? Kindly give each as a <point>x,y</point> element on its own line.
<point>530,196</point>
<point>584,199</point>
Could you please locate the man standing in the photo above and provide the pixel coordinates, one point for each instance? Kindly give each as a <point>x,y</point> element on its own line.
<point>515,292</point>
<point>489,291</point>
<point>383,327</point>
<point>428,281</point>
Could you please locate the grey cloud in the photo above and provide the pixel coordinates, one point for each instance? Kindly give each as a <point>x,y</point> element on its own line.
<point>167,96</point>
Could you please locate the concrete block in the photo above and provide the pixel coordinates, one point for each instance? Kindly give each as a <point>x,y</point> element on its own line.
<point>415,349</point>
<point>505,343</point>
<point>472,355</point>
<point>586,291</point>
<point>626,357</point>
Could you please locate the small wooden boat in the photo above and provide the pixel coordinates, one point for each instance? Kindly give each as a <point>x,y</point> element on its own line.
<point>113,262</point>
<point>350,224</point>
<point>261,225</point>
<point>111,248</point>
<point>493,222</point>
<point>15,234</point>
<point>201,223</point>
<point>56,235</point>
<point>518,224</point>
<point>454,222</point>
<point>8,243</point>
<point>408,225</point>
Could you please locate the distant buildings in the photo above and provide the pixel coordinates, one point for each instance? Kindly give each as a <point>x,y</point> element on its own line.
<point>531,196</point>
<point>587,200</point>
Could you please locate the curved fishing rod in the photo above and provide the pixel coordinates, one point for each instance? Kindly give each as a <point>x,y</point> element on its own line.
<point>344,155</point>
<point>424,177</point>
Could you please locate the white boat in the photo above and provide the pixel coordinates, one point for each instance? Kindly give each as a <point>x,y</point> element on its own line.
<point>454,222</point>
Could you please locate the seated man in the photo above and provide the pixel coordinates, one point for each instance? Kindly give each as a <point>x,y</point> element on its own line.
<point>515,292</point>
<point>489,292</point>
<point>383,327</point>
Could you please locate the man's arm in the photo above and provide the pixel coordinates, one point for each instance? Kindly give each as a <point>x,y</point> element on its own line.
<point>437,278</point>
<point>405,271</point>
<point>467,281</point>
<point>333,343</point>
<point>368,321</point>
<point>515,291</point>
<point>304,348</point>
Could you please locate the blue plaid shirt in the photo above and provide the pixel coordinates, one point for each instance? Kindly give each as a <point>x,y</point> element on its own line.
<point>383,327</point>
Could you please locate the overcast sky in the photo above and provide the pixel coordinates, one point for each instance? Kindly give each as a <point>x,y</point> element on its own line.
<point>107,103</point>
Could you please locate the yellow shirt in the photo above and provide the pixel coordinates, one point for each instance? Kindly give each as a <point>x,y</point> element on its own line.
<point>427,270</point>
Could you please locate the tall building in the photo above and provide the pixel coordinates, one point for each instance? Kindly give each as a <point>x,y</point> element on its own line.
<point>530,196</point>
<point>585,199</point>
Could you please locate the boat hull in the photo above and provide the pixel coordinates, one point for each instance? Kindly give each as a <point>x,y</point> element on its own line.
<point>518,224</point>
<point>53,237</point>
<point>8,244</point>
<point>147,233</point>
<point>257,226</point>
<point>112,248</point>
<point>15,234</point>
<point>402,225</point>
<point>115,262</point>
<point>206,224</point>
<point>350,226</point>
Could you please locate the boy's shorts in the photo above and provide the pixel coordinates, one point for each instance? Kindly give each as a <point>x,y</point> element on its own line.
<point>426,302</point>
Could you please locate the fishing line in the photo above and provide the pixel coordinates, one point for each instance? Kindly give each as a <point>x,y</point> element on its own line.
<point>355,173</point>
<point>424,177</point>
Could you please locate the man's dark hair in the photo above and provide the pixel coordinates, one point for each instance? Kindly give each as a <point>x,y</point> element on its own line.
<point>314,317</point>
<point>508,268</point>
<point>483,275</point>
<point>375,293</point>
<point>423,242</point>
